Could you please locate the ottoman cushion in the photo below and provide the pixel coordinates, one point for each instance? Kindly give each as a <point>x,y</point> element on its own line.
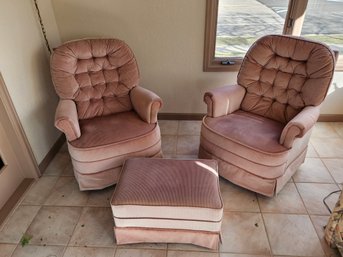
<point>168,194</point>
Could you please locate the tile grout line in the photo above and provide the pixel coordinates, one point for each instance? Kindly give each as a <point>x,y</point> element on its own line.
<point>264,225</point>
<point>334,128</point>
<point>337,184</point>
<point>78,219</point>
<point>18,204</point>
<point>17,245</point>
<point>115,249</point>
<point>77,222</point>
<point>308,214</point>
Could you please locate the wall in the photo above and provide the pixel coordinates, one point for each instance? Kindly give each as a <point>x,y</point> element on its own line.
<point>25,69</point>
<point>167,38</point>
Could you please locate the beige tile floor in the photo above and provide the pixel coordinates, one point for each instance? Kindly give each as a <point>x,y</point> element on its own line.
<point>66,222</point>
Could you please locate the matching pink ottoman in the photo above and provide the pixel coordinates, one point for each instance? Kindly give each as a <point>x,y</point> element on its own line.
<point>168,201</point>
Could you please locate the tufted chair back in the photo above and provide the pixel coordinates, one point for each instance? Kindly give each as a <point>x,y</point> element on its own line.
<point>97,74</point>
<point>283,74</point>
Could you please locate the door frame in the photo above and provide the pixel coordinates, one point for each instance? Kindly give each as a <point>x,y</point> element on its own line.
<point>16,134</point>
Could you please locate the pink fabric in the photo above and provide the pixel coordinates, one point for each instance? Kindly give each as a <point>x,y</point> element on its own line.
<point>223,100</point>
<point>66,119</point>
<point>169,223</point>
<point>97,74</point>
<point>261,144</point>
<point>247,179</point>
<point>284,74</point>
<point>146,104</point>
<point>291,169</point>
<point>108,151</point>
<point>253,131</point>
<point>299,125</point>
<point>165,200</point>
<point>95,79</point>
<point>145,235</point>
<point>111,129</point>
<point>167,182</point>
<point>102,179</point>
<point>260,168</point>
<point>94,165</point>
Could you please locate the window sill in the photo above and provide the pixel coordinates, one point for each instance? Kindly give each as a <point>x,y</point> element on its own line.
<point>216,66</point>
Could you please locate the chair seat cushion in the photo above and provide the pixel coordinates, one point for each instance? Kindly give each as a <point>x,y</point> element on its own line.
<point>249,129</point>
<point>104,130</point>
<point>114,135</point>
<point>248,140</point>
<point>163,193</point>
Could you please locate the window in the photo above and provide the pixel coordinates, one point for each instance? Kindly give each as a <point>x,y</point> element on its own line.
<point>232,26</point>
<point>323,22</point>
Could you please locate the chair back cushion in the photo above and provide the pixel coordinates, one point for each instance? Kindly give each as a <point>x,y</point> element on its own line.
<point>97,74</point>
<point>284,74</point>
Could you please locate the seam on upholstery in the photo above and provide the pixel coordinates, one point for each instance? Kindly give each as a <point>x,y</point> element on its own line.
<point>67,122</point>
<point>181,206</point>
<point>121,171</point>
<point>115,143</point>
<point>240,156</point>
<point>118,155</point>
<point>172,229</point>
<point>156,218</point>
<point>107,185</point>
<point>256,190</point>
<point>119,185</point>
<point>216,157</point>
<point>74,54</point>
<point>256,150</point>
<point>152,115</point>
<point>98,172</point>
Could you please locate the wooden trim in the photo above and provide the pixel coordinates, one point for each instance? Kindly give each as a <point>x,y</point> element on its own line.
<point>210,62</point>
<point>52,152</point>
<point>339,62</point>
<point>330,118</point>
<point>210,33</point>
<point>295,17</point>
<point>181,116</point>
<point>17,135</point>
<point>14,199</point>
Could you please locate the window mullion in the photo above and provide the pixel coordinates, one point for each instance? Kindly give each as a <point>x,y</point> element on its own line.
<point>295,17</point>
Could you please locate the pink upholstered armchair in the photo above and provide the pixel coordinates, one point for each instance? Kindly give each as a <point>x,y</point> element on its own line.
<point>259,129</point>
<point>104,114</point>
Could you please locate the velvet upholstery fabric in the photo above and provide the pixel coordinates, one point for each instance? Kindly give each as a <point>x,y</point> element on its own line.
<point>106,116</point>
<point>147,235</point>
<point>97,74</point>
<point>259,129</point>
<point>283,75</point>
<point>66,119</point>
<point>179,196</point>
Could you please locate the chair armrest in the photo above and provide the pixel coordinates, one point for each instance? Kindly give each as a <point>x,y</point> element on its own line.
<point>145,103</point>
<point>223,100</point>
<point>66,119</point>
<point>299,125</point>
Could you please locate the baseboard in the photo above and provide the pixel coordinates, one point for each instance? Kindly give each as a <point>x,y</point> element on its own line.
<point>14,199</point>
<point>180,116</point>
<point>51,154</point>
<point>199,116</point>
<point>331,118</point>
